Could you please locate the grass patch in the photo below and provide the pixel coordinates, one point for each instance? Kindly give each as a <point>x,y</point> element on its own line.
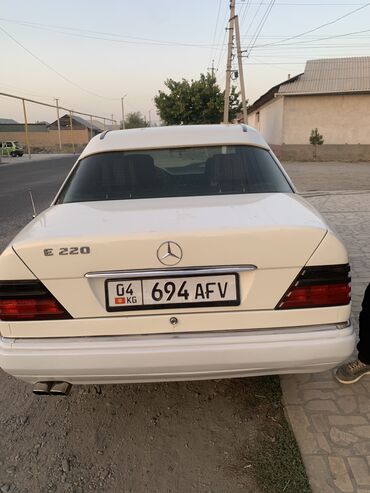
<point>273,456</point>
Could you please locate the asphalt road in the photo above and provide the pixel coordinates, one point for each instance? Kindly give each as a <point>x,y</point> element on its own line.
<point>42,177</point>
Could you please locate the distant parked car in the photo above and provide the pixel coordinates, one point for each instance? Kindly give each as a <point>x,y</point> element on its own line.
<point>11,148</point>
<point>174,253</point>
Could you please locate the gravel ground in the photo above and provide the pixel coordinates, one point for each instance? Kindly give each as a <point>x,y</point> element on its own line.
<point>177,437</point>
<point>202,437</point>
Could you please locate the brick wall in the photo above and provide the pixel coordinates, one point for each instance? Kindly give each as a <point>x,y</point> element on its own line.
<point>326,152</point>
<point>48,139</point>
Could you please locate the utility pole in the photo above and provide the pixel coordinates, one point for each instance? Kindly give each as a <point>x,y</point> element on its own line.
<point>71,126</point>
<point>212,69</point>
<point>26,129</point>
<point>240,67</point>
<point>112,123</point>
<point>229,60</point>
<point>123,112</point>
<point>59,135</point>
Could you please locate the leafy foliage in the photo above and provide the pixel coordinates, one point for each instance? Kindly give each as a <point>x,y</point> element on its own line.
<point>316,139</point>
<point>135,120</point>
<point>195,102</point>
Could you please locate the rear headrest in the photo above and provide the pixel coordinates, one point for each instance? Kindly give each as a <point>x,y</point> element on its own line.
<point>227,172</point>
<point>141,169</point>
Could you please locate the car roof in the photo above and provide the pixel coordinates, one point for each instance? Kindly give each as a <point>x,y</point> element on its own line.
<point>174,136</point>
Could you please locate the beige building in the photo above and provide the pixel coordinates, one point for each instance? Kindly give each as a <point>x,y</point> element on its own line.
<point>332,95</point>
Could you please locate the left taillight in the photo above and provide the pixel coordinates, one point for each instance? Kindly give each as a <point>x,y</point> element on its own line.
<point>28,300</point>
<point>318,287</point>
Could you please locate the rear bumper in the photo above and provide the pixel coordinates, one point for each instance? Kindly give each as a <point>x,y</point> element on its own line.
<point>119,359</point>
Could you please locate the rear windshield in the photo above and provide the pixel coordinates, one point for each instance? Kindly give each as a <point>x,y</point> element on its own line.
<point>176,172</point>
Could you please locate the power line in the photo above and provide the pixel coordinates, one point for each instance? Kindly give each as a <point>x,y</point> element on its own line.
<point>243,14</point>
<point>222,50</point>
<point>260,26</point>
<point>276,67</point>
<point>25,91</point>
<point>308,38</point>
<point>255,15</point>
<point>215,31</point>
<point>217,47</point>
<point>222,53</point>
<point>308,48</point>
<point>53,69</point>
<point>291,4</point>
<point>277,63</point>
<point>223,44</point>
<point>131,40</point>
<point>319,27</point>
<point>68,28</point>
<point>314,40</point>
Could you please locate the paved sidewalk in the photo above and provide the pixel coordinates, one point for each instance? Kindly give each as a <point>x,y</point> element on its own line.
<point>331,421</point>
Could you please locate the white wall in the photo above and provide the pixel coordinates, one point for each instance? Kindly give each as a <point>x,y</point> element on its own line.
<point>341,119</point>
<point>270,120</point>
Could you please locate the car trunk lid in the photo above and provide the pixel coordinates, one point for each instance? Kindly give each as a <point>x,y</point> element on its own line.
<point>265,230</point>
<point>75,248</point>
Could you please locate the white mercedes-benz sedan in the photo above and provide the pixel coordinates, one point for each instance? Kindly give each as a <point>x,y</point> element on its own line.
<point>173,253</point>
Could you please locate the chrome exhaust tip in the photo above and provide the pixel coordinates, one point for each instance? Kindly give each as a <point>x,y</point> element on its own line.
<point>60,388</point>
<point>42,388</point>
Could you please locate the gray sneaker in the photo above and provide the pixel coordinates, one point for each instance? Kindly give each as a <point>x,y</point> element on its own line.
<point>351,372</point>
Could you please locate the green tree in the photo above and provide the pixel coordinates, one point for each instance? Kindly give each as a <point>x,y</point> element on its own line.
<point>135,120</point>
<point>316,139</point>
<point>194,102</point>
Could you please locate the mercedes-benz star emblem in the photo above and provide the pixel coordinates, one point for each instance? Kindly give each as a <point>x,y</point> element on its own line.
<point>169,253</point>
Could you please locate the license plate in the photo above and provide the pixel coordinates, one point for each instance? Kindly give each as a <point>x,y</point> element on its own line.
<point>172,292</point>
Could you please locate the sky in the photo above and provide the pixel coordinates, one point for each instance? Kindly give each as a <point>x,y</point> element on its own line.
<point>90,53</point>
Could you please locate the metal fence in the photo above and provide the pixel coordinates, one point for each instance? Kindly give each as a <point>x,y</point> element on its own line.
<point>90,126</point>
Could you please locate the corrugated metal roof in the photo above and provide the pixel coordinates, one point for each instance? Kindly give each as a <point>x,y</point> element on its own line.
<point>20,127</point>
<point>7,120</point>
<point>332,75</point>
<point>270,94</point>
<point>77,122</point>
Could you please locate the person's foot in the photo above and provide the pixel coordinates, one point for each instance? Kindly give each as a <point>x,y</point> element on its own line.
<point>351,372</point>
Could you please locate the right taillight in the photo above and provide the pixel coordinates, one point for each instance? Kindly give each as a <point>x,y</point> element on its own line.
<point>28,300</point>
<point>319,286</point>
